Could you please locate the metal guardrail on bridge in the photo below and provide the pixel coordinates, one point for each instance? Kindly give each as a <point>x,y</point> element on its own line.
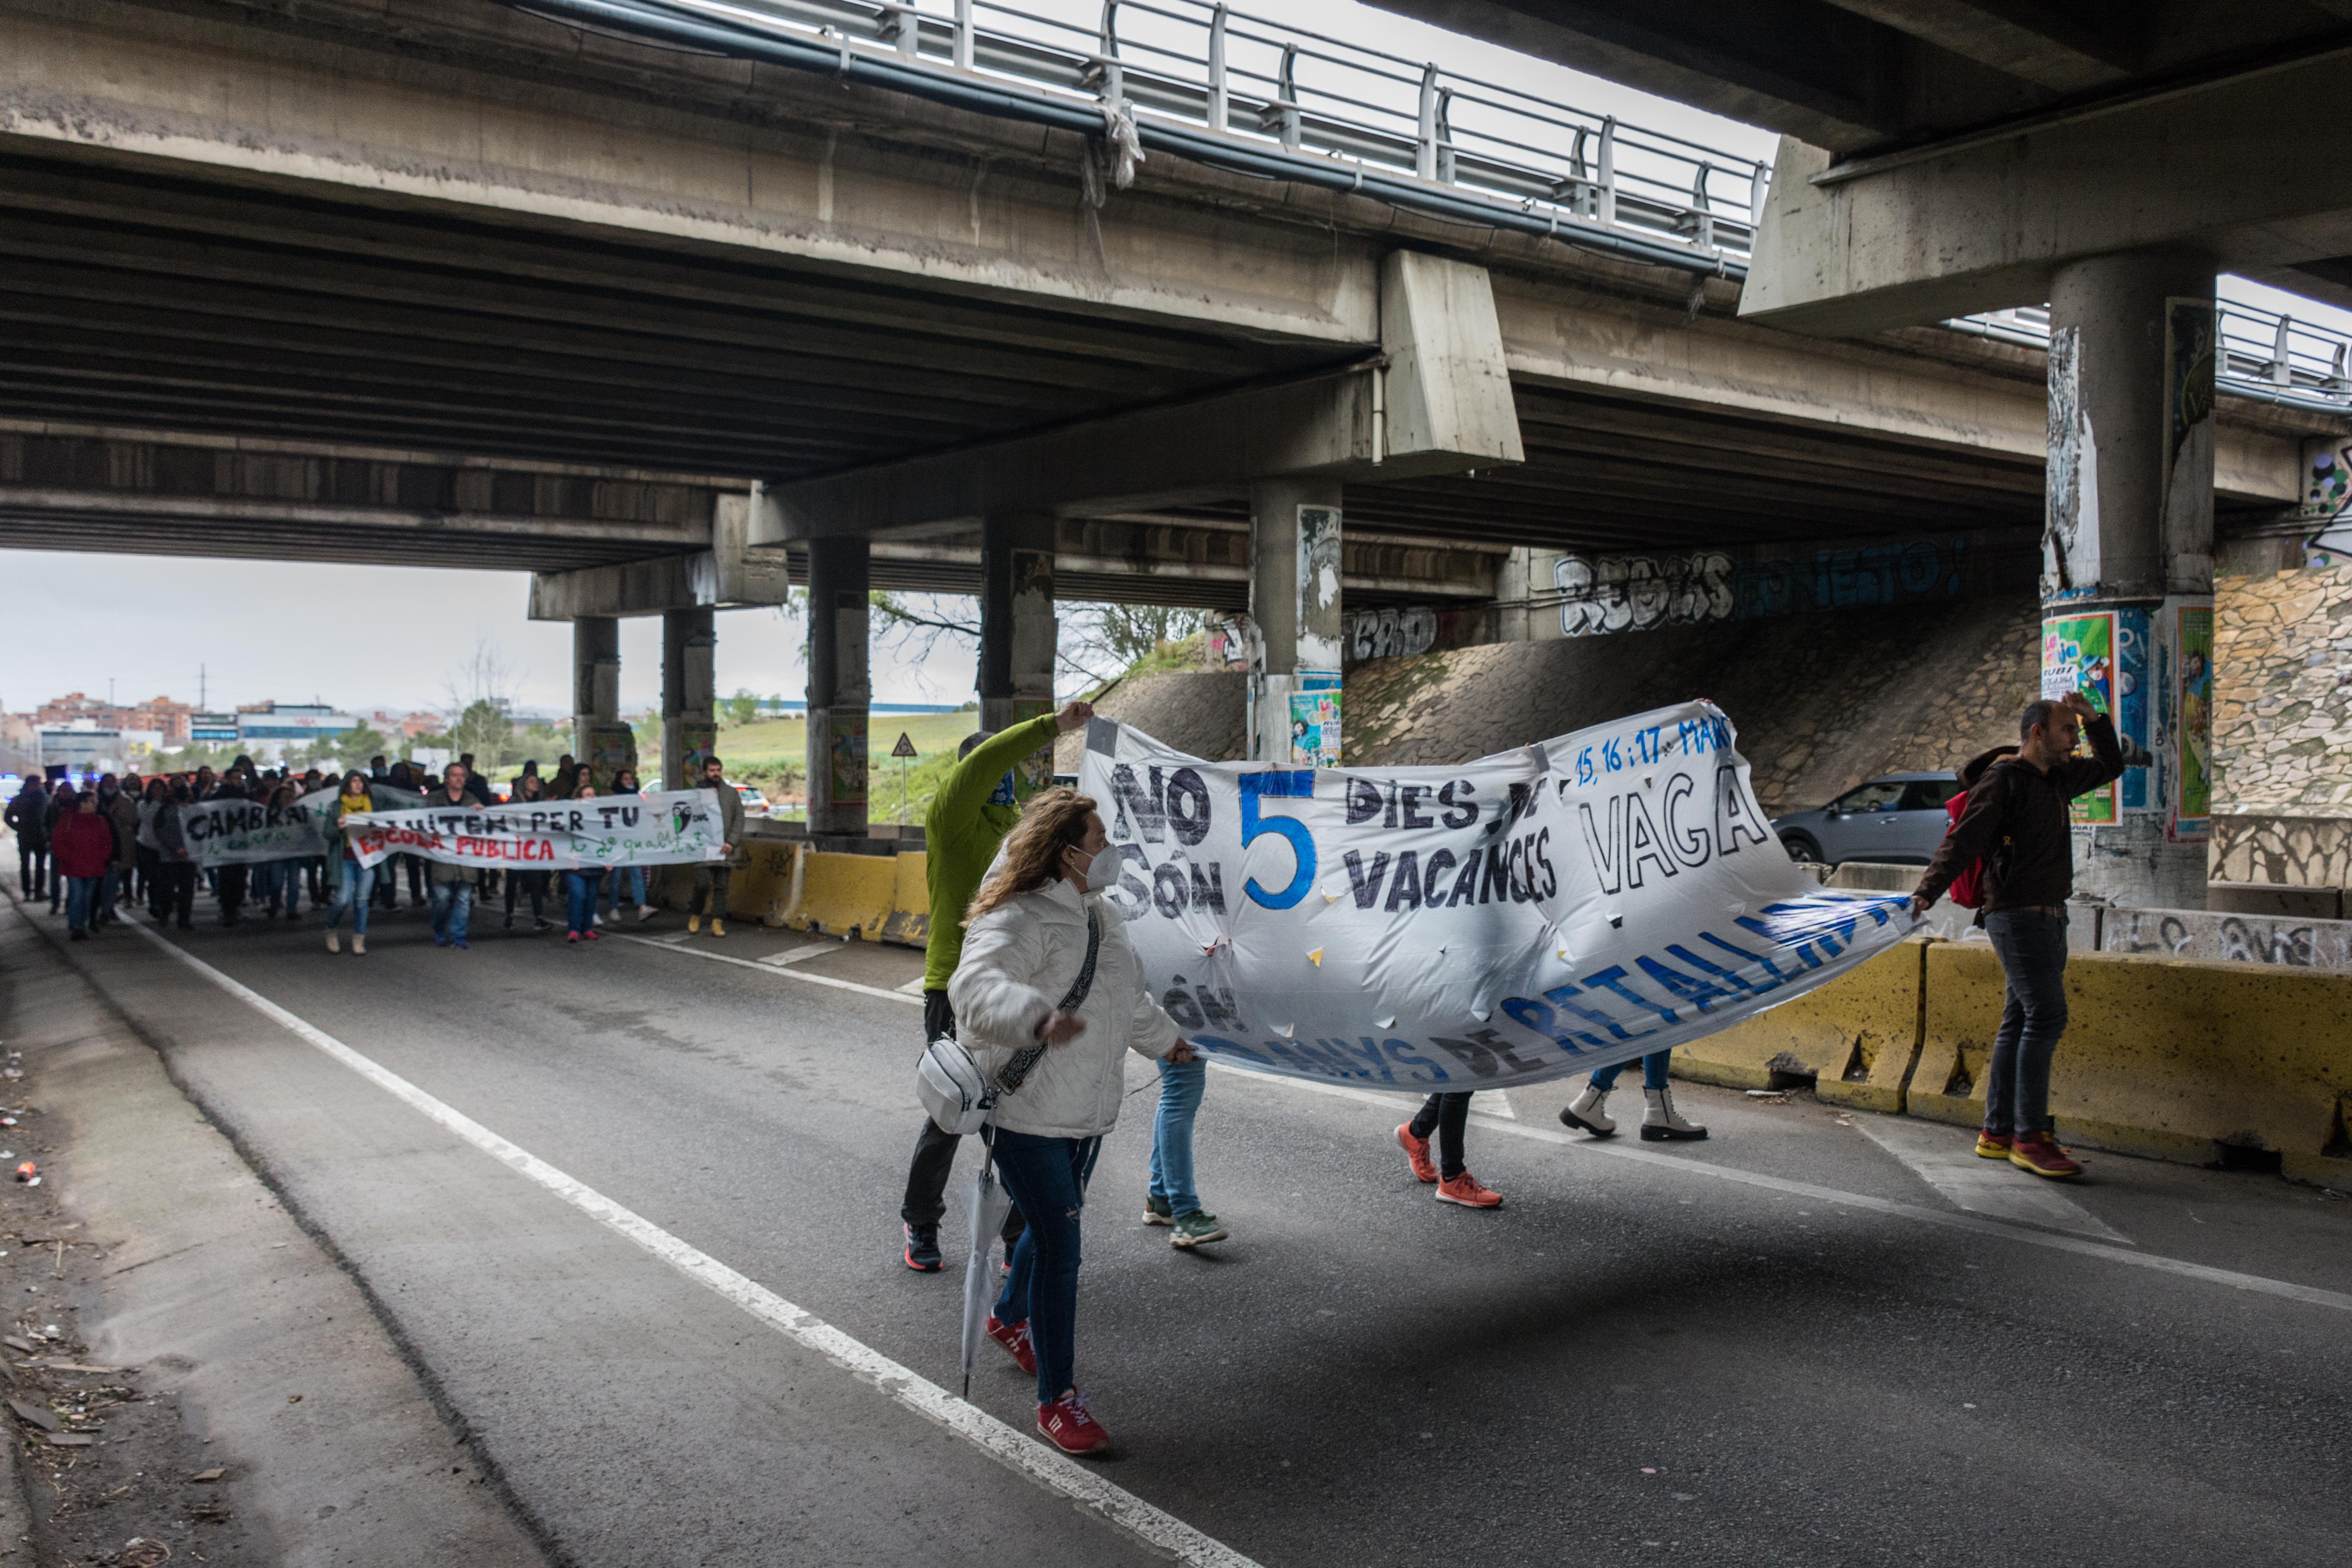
<point>1286,102</point>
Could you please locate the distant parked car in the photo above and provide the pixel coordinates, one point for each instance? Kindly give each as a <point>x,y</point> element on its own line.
<point>1898,818</point>
<point>754,803</point>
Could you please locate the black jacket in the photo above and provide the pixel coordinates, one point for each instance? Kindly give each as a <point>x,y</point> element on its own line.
<point>2015,820</point>
<point>28,814</point>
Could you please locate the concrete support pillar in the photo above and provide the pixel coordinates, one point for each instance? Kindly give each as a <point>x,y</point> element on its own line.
<point>689,695</point>
<point>598,736</point>
<point>839,691</point>
<point>1295,602</point>
<point>1017,628</point>
<point>2127,559</point>
<point>1514,586</point>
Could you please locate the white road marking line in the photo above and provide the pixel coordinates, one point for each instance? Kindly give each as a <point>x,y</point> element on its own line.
<point>1048,1467</point>
<point>764,967</point>
<point>913,987</point>
<point>1937,1156</point>
<point>1977,1224</point>
<point>1499,1104</point>
<point>797,954</point>
<point>671,940</point>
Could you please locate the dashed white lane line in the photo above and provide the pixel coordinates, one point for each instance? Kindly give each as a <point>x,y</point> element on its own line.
<point>1975,1224</point>
<point>1049,1469</point>
<point>1946,1161</point>
<point>798,955</point>
<point>766,967</point>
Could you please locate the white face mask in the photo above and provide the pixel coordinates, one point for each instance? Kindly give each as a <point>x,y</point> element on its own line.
<point>1102,871</point>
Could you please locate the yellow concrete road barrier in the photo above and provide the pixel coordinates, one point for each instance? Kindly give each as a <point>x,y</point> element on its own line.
<point>1856,1036</point>
<point>2170,1057</point>
<point>844,895</point>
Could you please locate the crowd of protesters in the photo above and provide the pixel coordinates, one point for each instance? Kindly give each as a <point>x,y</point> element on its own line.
<point>94,848</point>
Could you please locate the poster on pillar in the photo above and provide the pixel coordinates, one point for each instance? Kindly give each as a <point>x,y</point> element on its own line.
<point>1519,917</point>
<point>1315,720</point>
<point>2193,722</point>
<point>611,748</point>
<point>2106,653</point>
<point>846,757</point>
<point>694,741</point>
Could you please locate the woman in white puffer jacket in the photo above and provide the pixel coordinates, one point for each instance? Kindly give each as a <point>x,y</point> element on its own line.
<point>1024,948</point>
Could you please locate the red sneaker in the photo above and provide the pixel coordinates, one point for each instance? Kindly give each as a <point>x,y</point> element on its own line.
<point>1066,1424</point>
<point>1416,1150</point>
<point>2038,1152</point>
<point>589,936</point>
<point>1991,1145</point>
<point>1465,1190</point>
<point>1014,1338</point>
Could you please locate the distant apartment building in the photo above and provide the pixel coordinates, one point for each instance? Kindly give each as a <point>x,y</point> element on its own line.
<point>82,748</point>
<point>159,714</point>
<point>272,728</point>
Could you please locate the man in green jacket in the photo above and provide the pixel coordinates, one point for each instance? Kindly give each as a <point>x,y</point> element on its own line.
<point>968,817</point>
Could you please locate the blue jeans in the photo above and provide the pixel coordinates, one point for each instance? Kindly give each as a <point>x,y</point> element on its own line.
<point>1181,1085</point>
<point>352,894</point>
<point>451,902</point>
<point>81,898</point>
<point>2031,947</point>
<point>280,885</point>
<point>1047,1178</point>
<point>579,890</point>
<point>1654,1073</point>
<point>624,885</point>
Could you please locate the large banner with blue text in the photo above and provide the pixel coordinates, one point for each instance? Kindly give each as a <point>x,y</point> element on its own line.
<point>668,829</point>
<point>1519,917</point>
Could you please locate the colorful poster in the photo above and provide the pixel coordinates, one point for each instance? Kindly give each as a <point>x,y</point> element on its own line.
<point>847,749</point>
<point>611,748</point>
<point>1315,728</point>
<point>696,742</point>
<point>1518,919</point>
<point>2196,712</point>
<point>2079,654</point>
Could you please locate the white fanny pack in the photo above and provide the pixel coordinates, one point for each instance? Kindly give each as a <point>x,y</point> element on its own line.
<point>956,1094</point>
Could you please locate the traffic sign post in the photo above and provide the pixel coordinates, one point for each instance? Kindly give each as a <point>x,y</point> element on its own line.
<point>903,750</point>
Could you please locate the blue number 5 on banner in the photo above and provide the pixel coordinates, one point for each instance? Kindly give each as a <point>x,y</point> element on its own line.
<point>1296,786</point>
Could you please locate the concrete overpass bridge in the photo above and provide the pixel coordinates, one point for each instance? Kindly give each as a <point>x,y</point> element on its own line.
<point>677,303</point>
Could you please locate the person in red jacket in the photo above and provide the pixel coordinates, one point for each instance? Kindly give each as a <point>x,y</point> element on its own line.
<point>81,848</point>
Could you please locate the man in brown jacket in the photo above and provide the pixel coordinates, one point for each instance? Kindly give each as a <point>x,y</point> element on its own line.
<point>2015,821</point>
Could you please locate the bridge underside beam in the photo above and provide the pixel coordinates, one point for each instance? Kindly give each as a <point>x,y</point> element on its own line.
<point>172,494</point>
<point>1984,221</point>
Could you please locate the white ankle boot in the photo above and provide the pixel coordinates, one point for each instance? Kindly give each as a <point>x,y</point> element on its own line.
<point>1662,1124</point>
<point>1589,1110</point>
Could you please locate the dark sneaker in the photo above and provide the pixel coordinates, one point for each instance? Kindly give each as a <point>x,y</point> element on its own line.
<point>1991,1145</point>
<point>923,1249</point>
<point>1196,1229</point>
<point>1014,1338</point>
<point>1416,1154</point>
<point>1157,1212</point>
<point>1068,1426</point>
<point>2038,1152</point>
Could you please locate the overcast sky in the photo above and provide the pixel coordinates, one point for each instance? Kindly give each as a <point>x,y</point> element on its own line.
<point>369,636</point>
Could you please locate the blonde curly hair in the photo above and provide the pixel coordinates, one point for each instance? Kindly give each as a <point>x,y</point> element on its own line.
<point>1054,820</point>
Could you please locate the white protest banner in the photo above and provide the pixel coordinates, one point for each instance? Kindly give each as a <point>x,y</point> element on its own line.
<point>672,827</point>
<point>1504,922</point>
<point>230,832</point>
<point>240,832</point>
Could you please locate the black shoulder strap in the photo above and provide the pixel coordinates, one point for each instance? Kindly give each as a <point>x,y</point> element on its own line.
<point>1017,1072</point>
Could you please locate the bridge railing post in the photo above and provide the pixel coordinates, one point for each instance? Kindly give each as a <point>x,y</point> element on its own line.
<point>962,55</point>
<point>1220,102</point>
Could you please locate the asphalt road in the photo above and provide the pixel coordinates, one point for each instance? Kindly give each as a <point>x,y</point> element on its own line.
<point>1706,1353</point>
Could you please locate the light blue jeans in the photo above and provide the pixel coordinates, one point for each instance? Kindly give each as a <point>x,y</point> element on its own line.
<point>351,893</point>
<point>1654,1073</point>
<point>624,885</point>
<point>1181,1084</point>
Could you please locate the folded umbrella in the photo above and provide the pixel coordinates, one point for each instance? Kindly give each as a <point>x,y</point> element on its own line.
<point>988,1204</point>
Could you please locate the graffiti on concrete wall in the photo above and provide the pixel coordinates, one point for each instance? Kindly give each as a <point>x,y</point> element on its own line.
<point>1607,593</point>
<point>2235,939</point>
<point>1392,633</point>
